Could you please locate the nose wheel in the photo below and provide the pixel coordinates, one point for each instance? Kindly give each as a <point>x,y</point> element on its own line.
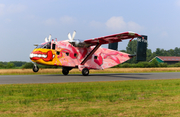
<point>35,68</point>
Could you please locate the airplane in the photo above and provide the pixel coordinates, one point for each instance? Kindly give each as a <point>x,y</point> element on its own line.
<point>84,55</point>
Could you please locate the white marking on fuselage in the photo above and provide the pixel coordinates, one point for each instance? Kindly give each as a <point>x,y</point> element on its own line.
<point>38,55</point>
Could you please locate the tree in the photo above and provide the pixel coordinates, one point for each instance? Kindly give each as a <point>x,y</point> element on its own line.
<point>171,51</point>
<point>28,65</point>
<point>131,49</point>
<point>177,51</point>
<point>18,63</point>
<point>123,51</point>
<point>149,55</point>
<point>154,63</point>
<point>2,65</point>
<point>159,52</point>
<point>10,65</point>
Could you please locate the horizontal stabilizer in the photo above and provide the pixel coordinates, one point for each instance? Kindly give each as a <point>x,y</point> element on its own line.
<point>132,55</point>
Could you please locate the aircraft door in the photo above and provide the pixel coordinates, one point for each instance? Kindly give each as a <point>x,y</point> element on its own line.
<point>53,46</point>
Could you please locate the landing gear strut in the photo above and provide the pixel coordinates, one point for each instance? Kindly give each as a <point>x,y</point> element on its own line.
<point>35,68</point>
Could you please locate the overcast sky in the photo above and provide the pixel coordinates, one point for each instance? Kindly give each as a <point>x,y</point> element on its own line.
<point>24,23</point>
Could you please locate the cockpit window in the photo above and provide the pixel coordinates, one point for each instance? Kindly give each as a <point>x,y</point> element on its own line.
<point>39,46</point>
<point>46,45</point>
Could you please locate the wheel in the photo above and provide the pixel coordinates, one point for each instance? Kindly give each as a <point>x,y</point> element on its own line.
<point>85,71</point>
<point>35,68</point>
<point>65,71</point>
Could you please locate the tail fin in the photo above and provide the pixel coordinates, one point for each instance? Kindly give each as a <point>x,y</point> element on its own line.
<point>141,48</point>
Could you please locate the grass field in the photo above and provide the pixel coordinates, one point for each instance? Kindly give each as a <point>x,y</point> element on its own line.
<point>143,98</point>
<point>76,71</point>
<point>146,98</point>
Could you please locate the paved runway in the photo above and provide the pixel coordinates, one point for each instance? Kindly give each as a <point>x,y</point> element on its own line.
<point>22,79</point>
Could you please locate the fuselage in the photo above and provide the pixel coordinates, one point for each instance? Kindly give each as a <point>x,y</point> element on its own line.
<point>62,53</point>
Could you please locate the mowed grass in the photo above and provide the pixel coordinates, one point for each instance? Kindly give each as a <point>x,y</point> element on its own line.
<point>146,98</point>
<point>76,71</point>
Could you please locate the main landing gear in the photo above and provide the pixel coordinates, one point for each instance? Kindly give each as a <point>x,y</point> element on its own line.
<point>65,71</point>
<point>85,72</point>
<point>35,68</point>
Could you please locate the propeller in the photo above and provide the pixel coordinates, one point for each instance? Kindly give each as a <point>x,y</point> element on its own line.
<point>48,39</point>
<point>73,35</point>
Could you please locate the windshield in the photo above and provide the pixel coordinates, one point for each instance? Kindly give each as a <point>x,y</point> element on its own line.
<point>45,45</point>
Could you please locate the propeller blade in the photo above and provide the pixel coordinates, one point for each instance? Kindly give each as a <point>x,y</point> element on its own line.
<point>49,39</point>
<point>69,36</point>
<point>74,33</point>
<point>46,39</point>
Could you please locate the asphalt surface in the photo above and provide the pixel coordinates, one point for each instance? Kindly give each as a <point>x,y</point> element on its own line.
<point>29,79</point>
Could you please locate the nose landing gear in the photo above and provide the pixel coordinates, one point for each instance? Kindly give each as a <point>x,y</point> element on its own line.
<point>35,68</point>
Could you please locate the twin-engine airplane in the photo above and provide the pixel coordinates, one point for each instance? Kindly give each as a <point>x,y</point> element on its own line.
<point>84,55</point>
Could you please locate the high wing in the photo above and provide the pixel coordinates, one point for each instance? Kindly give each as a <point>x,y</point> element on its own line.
<point>112,38</point>
<point>106,39</point>
<point>97,42</point>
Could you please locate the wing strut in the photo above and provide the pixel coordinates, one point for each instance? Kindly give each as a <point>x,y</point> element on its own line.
<point>90,54</point>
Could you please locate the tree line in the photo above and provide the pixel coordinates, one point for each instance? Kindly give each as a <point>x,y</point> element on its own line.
<point>132,46</point>
<point>131,49</point>
<point>21,65</point>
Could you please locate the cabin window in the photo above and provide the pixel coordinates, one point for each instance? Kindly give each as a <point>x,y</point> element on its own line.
<point>75,55</point>
<point>67,54</point>
<point>95,57</point>
<point>58,53</point>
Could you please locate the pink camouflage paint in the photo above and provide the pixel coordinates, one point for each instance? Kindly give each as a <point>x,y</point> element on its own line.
<point>101,59</point>
<point>84,55</point>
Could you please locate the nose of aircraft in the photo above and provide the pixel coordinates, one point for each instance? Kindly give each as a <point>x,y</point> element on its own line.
<point>39,54</point>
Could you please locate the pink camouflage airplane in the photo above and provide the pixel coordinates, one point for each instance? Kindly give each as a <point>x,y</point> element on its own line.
<point>84,55</point>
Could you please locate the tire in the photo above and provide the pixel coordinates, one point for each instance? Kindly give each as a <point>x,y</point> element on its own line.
<point>85,72</point>
<point>65,71</point>
<point>35,68</point>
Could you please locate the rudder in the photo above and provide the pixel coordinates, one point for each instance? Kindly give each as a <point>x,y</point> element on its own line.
<point>141,48</point>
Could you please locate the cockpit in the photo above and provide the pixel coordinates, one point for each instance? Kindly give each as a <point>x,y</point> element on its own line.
<point>47,46</point>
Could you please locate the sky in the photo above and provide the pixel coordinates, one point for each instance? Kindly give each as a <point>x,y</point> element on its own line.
<point>24,23</point>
